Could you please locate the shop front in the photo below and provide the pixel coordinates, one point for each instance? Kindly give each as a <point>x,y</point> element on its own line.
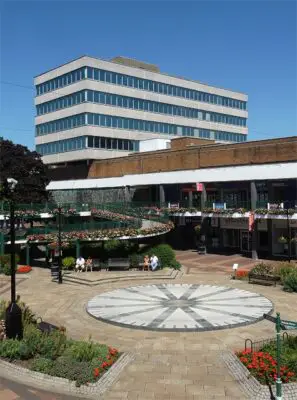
<point>231,234</point>
<point>284,233</point>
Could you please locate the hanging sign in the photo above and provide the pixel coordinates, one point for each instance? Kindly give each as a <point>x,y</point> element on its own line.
<point>199,187</point>
<point>251,221</point>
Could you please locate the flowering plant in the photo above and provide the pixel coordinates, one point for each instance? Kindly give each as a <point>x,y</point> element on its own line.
<point>110,359</point>
<point>241,274</point>
<point>157,228</point>
<point>24,269</point>
<point>263,366</point>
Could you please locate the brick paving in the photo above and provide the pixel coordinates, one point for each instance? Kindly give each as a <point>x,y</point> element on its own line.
<point>167,365</point>
<point>196,264</point>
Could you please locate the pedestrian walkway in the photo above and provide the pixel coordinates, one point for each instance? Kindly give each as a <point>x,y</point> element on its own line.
<point>167,365</point>
<point>10,390</point>
<point>195,263</point>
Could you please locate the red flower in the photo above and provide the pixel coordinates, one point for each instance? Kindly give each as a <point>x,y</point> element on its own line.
<point>96,372</point>
<point>24,269</point>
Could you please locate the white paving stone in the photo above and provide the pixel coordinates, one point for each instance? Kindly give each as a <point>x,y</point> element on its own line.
<point>179,307</point>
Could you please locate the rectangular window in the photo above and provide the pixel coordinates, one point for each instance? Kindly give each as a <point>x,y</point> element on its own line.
<point>119,79</point>
<point>103,143</point>
<point>102,76</point>
<point>96,142</point>
<point>97,119</point>
<point>126,145</point>
<point>90,73</point>
<point>96,74</point>
<point>120,144</point>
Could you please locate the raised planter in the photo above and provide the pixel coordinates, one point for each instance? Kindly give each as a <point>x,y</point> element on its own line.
<point>64,386</point>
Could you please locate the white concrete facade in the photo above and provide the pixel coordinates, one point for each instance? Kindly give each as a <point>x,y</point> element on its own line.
<point>119,133</point>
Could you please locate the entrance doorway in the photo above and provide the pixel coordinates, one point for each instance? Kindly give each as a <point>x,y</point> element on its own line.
<point>246,241</point>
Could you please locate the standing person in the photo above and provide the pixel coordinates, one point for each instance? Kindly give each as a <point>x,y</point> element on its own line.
<point>80,264</point>
<point>154,262</point>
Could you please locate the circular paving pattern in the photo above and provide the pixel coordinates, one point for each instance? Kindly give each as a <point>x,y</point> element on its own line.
<point>179,307</point>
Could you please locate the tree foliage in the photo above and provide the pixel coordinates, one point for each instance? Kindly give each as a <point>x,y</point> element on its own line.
<point>18,162</point>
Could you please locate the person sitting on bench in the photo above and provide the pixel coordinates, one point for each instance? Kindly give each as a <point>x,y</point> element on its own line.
<point>146,263</point>
<point>80,264</point>
<point>154,262</point>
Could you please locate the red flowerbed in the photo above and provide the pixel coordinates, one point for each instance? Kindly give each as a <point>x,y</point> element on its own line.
<point>24,269</point>
<point>110,359</point>
<point>241,274</point>
<point>262,364</point>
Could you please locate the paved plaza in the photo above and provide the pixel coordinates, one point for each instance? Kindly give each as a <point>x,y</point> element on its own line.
<point>167,364</point>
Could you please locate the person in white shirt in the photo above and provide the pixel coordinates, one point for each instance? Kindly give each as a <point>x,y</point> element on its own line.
<point>154,262</point>
<point>80,264</point>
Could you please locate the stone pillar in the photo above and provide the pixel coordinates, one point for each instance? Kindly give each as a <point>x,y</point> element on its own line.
<point>127,195</point>
<point>161,195</point>
<point>269,231</point>
<point>270,192</point>
<point>254,199</point>
<point>27,254</point>
<point>77,249</point>
<point>190,201</point>
<point>254,195</point>
<point>203,197</point>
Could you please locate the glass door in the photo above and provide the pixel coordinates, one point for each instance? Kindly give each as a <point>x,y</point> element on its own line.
<point>246,241</point>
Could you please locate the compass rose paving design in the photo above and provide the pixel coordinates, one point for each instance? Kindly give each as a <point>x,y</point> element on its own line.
<point>179,307</point>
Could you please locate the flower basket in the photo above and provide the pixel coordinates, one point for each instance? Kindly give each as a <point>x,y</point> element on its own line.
<point>282,240</point>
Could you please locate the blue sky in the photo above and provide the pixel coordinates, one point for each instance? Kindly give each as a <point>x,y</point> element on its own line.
<point>248,46</point>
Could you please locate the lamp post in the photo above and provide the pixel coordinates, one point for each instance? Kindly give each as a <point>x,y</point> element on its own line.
<point>13,316</point>
<point>60,278</point>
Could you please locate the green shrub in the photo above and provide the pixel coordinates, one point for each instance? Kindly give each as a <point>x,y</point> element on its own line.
<point>69,368</point>
<point>176,265</point>
<point>68,262</point>
<point>290,282</point>
<point>10,348</point>
<point>33,339</point>
<point>43,365</point>
<point>5,263</point>
<point>262,269</point>
<point>165,254</point>
<point>86,351</point>
<point>135,259</point>
<point>52,345</point>
<point>283,269</point>
<point>25,351</point>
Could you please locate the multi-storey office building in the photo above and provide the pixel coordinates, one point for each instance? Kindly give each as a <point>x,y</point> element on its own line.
<point>94,109</point>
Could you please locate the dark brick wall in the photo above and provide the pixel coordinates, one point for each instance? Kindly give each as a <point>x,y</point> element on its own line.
<point>203,156</point>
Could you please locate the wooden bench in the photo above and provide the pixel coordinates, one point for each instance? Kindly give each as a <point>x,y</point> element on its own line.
<point>267,280</point>
<point>45,327</point>
<point>122,263</point>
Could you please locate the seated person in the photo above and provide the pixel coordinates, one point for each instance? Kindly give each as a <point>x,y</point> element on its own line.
<point>80,264</point>
<point>89,263</point>
<point>154,262</point>
<point>146,262</point>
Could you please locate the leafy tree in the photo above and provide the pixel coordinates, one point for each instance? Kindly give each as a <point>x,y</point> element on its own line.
<point>18,162</point>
